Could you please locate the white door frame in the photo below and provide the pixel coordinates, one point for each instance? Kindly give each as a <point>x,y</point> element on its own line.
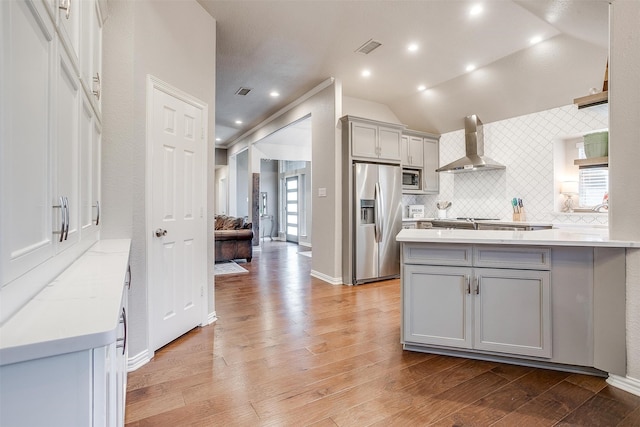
<point>152,84</point>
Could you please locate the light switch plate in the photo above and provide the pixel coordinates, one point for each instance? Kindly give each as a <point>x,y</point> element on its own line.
<point>322,192</point>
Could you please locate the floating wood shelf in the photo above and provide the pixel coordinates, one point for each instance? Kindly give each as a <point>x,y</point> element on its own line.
<point>594,161</point>
<point>591,100</point>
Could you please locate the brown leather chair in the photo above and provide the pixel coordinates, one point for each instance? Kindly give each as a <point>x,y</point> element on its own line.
<point>233,239</point>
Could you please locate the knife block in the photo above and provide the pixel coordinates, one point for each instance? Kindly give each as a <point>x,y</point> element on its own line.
<point>519,216</point>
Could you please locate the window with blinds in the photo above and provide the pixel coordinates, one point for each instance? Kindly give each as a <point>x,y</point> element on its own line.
<point>592,185</point>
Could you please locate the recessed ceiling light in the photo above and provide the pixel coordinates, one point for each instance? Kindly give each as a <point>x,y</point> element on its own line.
<point>535,40</point>
<point>413,47</point>
<point>475,10</point>
<point>274,94</point>
<point>218,139</point>
<point>238,122</point>
<point>470,67</point>
<point>366,73</point>
<point>422,87</point>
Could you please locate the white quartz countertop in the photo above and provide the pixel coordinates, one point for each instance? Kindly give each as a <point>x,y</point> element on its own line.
<point>79,310</point>
<point>551,237</point>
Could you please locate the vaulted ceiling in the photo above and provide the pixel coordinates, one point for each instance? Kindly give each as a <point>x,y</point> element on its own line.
<point>292,46</point>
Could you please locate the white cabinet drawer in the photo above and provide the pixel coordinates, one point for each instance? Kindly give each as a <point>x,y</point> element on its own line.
<point>437,254</point>
<point>528,258</point>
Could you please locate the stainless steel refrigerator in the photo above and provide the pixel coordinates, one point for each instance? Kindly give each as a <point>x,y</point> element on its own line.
<point>377,198</point>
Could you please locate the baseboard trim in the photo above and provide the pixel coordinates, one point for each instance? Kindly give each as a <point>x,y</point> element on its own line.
<point>325,278</point>
<point>211,318</point>
<point>304,244</point>
<point>627,384</point>
<point>138,360</point>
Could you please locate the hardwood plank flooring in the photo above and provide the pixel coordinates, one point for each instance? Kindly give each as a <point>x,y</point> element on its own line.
<point>291,350</point>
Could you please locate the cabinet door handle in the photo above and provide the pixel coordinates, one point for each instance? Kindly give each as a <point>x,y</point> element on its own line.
<point>66,208</point>
<point>97,86</point>
<point>468,280</point>
<point>477,285</point>
<point>97,206</point>
<point>122,342</point>
<point>128,277</point>
<point>66,6</point>
<point>63,217</point>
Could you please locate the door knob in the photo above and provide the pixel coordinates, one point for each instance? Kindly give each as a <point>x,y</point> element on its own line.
<point>160,232</point>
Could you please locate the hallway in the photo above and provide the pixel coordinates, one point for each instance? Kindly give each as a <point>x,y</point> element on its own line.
<point>289,349</point>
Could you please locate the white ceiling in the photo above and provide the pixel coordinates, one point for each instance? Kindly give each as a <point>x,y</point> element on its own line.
<point>292,46</point>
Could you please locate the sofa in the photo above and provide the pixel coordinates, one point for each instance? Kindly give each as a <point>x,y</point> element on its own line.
<point>233,238</point>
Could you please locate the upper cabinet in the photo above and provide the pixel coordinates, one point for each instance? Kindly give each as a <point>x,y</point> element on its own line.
<point>374,140</point>
<point>420,150</point>
<point>412,151</point>
<point>27,83</point>
<point>91,51</point>
<point>50,162</point>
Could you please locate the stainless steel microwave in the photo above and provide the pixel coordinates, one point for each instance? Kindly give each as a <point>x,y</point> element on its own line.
<point>411,179</point>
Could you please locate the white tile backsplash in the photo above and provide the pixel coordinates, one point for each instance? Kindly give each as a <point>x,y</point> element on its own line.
<point>525,146</point>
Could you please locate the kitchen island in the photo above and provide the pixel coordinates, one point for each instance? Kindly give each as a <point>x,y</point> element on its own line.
<point>549,298</point>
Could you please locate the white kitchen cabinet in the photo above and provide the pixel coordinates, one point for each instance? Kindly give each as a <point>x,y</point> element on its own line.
<point>63,356</point>
<point>412,151</point>
<point>91,51</point>
<point>50,161</point>
<point>506,310</point>
<point>69,24</point>
<point>371,140</point>
<point>90,155</point>
<point>67,125</point>
<point>26,82</point>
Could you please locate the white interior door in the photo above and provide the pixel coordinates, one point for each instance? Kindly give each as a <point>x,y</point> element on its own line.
<point>177,264</point>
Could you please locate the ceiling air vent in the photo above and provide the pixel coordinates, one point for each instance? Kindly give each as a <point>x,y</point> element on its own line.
<point>243,91</point>
<point>368,47</point>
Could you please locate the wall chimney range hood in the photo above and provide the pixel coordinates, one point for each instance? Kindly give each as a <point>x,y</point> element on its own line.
<point>474,159</point>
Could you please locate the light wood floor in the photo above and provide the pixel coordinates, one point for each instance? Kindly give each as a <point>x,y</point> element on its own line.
<point>290,350</point>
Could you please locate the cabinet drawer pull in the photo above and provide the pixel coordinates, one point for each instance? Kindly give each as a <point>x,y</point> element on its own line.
<point>477,282</point>
<point>97,86</point>
<point>468,280</point>
<point>66,6</point>
<point>122,342</point>
<point>66,208</point>
<point>127,281</point>
<point>63,218</point>
<point>97,206</point>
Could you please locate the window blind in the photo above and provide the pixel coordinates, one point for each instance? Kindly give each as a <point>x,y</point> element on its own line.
<point>593,184</point>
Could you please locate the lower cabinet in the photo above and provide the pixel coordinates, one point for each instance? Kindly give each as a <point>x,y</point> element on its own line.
<point>74,389</point>
<point>78,389</point>
<point>487,309</point>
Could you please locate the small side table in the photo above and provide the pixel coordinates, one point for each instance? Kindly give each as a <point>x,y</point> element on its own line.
<point>262,220</point>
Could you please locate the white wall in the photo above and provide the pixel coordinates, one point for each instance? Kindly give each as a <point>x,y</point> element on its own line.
<point>325,107</point>
<point>174,41</point>
<point>525,145</point>
<point>624,153</point>
<point>368,110</point>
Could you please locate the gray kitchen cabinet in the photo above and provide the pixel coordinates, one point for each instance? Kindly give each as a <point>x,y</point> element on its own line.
<point>420,150</point>
<point>437,307</point>
<point>430,177</point>
<point>512,311</point>
<point>412,151</point>
<point>374,140</point>
<point>503,310</point>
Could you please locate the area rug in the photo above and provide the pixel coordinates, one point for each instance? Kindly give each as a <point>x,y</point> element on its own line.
<point>229,267</point>
<point>306,253</point>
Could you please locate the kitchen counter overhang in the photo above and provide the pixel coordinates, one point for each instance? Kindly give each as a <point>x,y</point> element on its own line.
<point>582,237</point>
